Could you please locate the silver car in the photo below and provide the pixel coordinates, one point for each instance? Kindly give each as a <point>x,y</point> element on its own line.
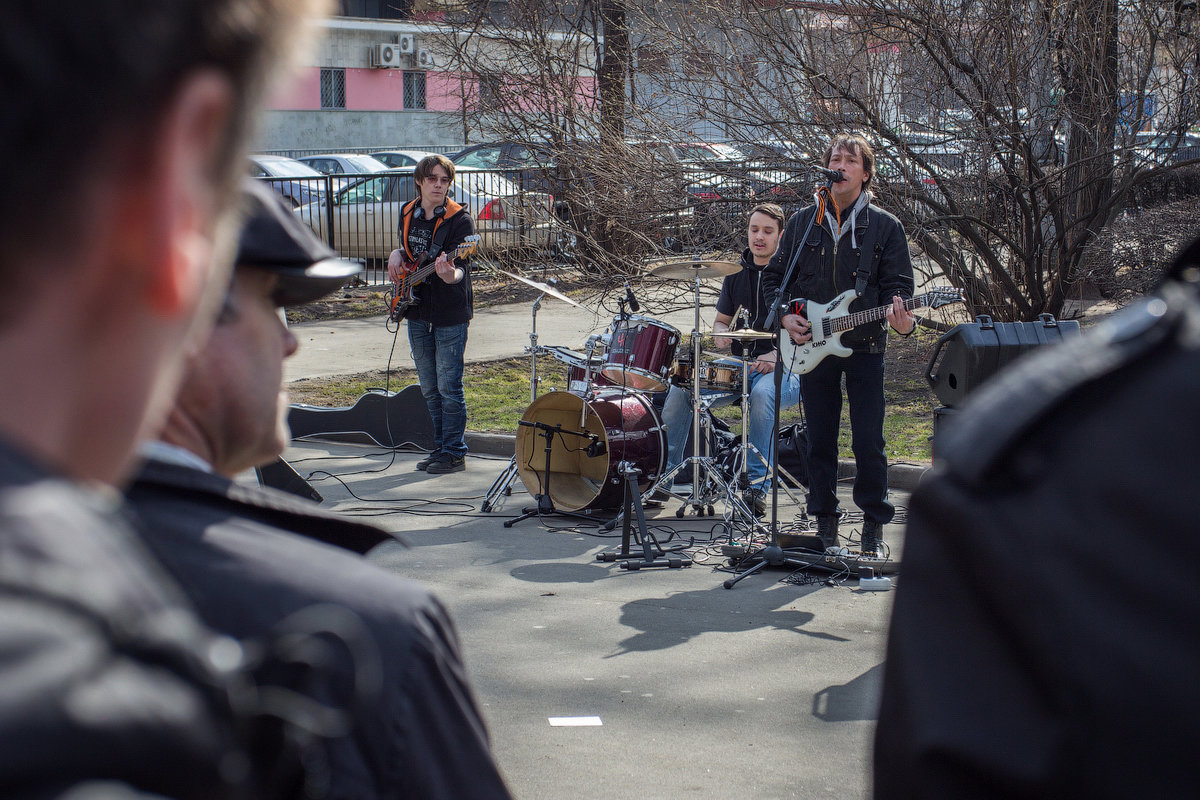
<point>365,215</point>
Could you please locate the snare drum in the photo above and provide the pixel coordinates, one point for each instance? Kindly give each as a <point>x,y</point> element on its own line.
<point>722,375</point>
<point>641,354</point>
<point>626,424</point>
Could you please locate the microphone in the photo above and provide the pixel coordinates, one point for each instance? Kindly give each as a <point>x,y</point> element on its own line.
<point>595,449</point>
<point>630,300</point>
<point>834,175</point>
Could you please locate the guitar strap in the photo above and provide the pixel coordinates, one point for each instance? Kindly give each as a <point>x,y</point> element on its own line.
<point>866,256</point>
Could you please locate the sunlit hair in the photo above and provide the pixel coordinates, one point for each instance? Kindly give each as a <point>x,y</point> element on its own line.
<point>855,145</point>
<point>772,210</point>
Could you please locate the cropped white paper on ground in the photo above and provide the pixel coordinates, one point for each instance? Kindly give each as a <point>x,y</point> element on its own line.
<point>573,722</point>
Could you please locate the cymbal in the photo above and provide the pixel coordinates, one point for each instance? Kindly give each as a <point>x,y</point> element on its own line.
<point>744,333</point>
<point>542,287</point>
<point>698,268</point>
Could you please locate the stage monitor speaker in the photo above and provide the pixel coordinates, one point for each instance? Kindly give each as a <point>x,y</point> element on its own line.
<point>279,474</point>
<point>967,355</point>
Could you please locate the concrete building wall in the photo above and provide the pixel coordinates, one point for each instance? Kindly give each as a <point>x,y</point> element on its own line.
<point>327,131</point>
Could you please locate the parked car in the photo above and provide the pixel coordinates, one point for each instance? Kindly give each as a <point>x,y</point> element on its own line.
<point>534,167</point>
<point>366,213</point>
<point>398,159</point>
<point>344,163</point>
<point>299,183</point>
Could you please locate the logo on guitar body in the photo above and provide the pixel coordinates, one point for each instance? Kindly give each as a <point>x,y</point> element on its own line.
<point>828,326</point>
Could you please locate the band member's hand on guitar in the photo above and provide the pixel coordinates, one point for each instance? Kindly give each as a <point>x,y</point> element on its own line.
<point>395,265</point>
<point>797,327</point>
<point>445,269</point>
<point>901,318</point>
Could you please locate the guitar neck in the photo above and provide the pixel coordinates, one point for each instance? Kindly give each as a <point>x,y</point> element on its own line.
<point>857,318</point>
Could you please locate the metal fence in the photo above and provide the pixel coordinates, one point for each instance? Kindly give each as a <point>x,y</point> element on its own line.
<point>359,215</point>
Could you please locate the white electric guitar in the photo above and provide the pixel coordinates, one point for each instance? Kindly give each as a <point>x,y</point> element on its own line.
<point>830,320</point>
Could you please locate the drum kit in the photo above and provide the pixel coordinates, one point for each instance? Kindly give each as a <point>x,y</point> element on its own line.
<point>575,449</point>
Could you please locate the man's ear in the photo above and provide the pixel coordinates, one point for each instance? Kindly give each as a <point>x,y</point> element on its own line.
<point>172,225</point>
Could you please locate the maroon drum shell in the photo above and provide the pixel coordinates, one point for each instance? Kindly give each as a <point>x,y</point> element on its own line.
<point>625,422</point>
<point>641,354</point>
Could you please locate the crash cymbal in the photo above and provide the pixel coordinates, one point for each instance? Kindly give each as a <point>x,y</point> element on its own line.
<point>744,333</point>
<point>541,287</point>
<point>698,268</point>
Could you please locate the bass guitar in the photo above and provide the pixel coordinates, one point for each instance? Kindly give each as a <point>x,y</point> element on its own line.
<point>401,298</point>
<point>830,321</point>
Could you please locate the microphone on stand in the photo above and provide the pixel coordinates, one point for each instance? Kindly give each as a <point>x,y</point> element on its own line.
<point>630,300</point>
<point>834,175</point>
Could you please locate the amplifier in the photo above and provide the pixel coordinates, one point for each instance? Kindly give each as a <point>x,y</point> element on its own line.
<point>968,354</point>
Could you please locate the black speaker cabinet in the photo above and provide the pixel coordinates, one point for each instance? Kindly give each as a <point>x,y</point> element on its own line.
<point>968,354</point>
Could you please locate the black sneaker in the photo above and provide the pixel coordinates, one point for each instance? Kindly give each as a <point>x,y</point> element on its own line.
<point>424,463</point>
<point>827,529</point>
<point>756,499</point>
<point>446,463</point>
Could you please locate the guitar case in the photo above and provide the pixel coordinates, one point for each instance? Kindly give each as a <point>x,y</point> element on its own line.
<point>389,419</point>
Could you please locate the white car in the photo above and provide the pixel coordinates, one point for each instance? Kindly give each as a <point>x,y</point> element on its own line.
<point>399,159</point>
<point>344,163</point>
<point>365,214</point>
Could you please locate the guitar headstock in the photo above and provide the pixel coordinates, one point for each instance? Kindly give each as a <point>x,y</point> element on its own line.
<point>468,246</point>
<point>943,296</point>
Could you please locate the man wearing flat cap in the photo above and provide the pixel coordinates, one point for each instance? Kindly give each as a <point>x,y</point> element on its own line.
<point>392,691</point>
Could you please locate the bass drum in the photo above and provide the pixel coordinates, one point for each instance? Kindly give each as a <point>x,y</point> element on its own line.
<point>626,424</point>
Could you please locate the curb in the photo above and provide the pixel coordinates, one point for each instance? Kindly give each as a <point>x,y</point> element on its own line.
<point>904,477</point>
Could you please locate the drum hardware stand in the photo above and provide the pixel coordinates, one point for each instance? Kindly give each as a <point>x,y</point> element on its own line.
<point>503,482</point>
<point>748,448</point>
<point>702,494</point>
<point>544,504</point>
<point>633,505</point>
<point>773,555</point>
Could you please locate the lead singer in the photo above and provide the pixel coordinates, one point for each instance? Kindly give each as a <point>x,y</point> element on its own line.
<point>827,263</point>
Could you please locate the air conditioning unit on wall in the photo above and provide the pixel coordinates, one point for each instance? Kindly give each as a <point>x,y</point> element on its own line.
<point>386,54</point>
<point>407,43</point>
<point>426,59</point>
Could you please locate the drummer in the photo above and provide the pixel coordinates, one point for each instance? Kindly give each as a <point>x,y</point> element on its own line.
<point>743,290</point>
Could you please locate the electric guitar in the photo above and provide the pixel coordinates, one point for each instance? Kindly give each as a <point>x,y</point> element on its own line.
<point>401,298</point>
<point>830,320</point>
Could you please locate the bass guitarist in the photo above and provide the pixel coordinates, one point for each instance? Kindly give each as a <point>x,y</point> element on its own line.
<point>852,244</point>
<point>431,227</point>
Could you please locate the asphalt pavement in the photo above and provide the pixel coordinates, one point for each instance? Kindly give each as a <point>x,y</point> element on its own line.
<point>659,683</point>
<point>603,682</point>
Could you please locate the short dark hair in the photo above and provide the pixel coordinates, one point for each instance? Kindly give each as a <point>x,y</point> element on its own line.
<point>772,210</point>
<point>425,167</point>
<point>856,145</point>
<point>79,76</point>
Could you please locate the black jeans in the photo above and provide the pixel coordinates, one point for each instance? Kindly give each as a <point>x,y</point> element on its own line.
<point>821,391</point>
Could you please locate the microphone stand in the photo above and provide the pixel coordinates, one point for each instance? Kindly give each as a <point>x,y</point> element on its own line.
<point>545,505</point>
<point>773,554</point>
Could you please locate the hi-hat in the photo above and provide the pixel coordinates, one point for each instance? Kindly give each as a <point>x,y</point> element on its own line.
<point>699,268</point>
<point>744,333</point>
<point>542,287</point>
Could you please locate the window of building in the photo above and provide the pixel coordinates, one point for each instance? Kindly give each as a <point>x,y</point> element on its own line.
<point>333,88</point>
<point>414,91</point>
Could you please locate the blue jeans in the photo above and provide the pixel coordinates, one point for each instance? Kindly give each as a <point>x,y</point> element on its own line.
<point>437,353</point>
<point>823,411</point>
<point>677,417</point>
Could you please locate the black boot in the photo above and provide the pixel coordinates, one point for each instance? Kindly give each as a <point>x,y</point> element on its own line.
<point>872,539</point>
<point>827,527</point>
